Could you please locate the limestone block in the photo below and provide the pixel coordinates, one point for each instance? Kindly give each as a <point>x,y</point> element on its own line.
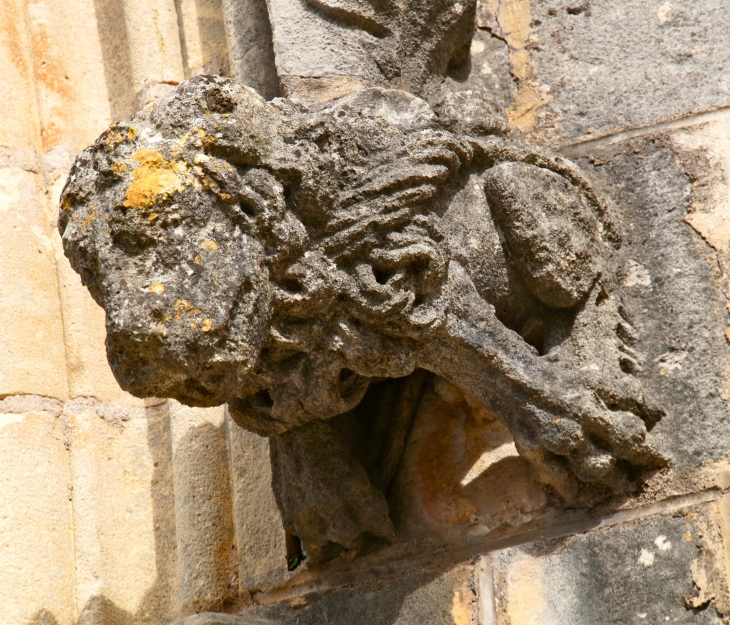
<point>458,458</point>
<point>69,78</point>
<point>207,558</point>
<point>33,359</point>
<point>36,542</point>
<point>661,569</point>
<point>154,49</point>
<point>19,130</point>
<point>250,45</point>
<point>436,597</point>
<point>124,517</point>
<point>670,191</point>
<point>259,530</point>
<point>575,80</point>
<point>204,41</point>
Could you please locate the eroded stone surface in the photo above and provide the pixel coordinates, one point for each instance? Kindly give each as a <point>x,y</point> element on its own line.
<point>282,259</point>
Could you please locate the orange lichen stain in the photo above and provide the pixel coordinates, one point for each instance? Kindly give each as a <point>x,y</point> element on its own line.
<point>688,537</point>
<point>197,260</point>
<point>207,325</point>
<point>119,168</point>
<point>158,288</point>
<point>210,246</point>
<point>184,138</point>
<point>207,112</point>
<point>66,203</point>
<point>225,196</point>
<point>131,133</point>
<point>161,329</point>
<point>154,177</point>
<point>152,217</point>
<point>91,217</point>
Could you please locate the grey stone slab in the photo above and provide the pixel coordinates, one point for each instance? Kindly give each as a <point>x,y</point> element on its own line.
<point>640,573</point>
<point>673,296</point>
<point>631,63</point>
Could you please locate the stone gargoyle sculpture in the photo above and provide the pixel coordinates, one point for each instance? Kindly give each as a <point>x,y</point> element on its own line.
<point>283,260</point>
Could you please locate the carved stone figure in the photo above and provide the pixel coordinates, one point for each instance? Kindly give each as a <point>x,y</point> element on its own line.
<point>285,259</point>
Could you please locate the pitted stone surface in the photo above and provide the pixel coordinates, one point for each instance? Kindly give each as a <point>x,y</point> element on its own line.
<point>284,260</point>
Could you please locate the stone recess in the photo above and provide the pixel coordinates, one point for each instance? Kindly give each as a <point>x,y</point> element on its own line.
<point>37,568</point>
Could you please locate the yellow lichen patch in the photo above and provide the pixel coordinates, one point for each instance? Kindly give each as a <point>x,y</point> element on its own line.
<point>197,260</point>
<point>210,246</point>
<point>131,133</point>
<point>119,168</point>
<point>181,306</point>
<point>91,217</point>
<point>152,217</point>
<point>154,177</point>
<point>158,288</point>
<point>66,203</point>
<point>161,329</point>
<point>207,325</point>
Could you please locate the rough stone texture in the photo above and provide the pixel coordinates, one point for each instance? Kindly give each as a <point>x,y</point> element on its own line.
<point>206,551</point>
<point>328,48</point>
<point>259,531</point>
<point>667,569</point>
<point>123,516</point>
<point>37,576</point>
<point>561,70</point>
<point>595,66</point>
<point>323,282</point>
<point>674,286</point>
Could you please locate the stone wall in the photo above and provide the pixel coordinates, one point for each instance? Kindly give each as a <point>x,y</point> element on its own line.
<point>115,510</point>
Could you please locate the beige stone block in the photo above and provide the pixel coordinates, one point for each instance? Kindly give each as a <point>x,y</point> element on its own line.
<point>32,349</point>
<point>19,128</point>
<point>124,520</point>
<point>259,531</point>
<point>70,77</point>
<point>155,54</point>
<point>207,558</point>
<point>206,50</point>
<point>36,542</point>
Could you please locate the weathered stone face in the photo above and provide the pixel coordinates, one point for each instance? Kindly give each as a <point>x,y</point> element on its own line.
<point>281,259</point>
